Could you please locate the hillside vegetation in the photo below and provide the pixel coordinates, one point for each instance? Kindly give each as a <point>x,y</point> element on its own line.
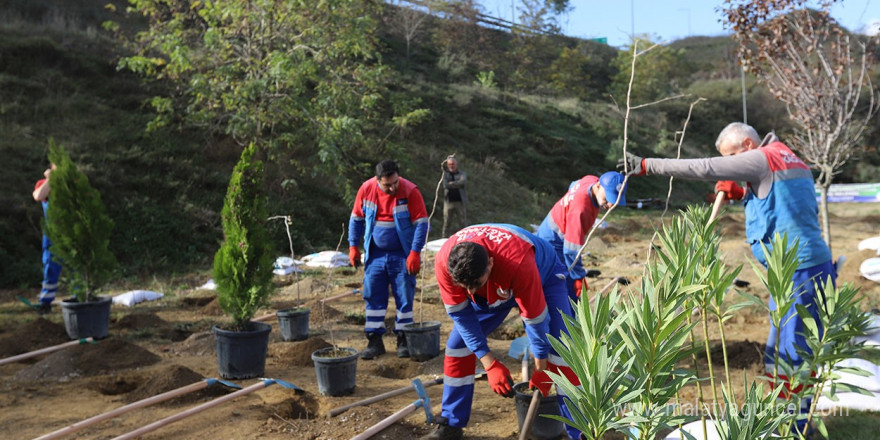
<point>525,114</point>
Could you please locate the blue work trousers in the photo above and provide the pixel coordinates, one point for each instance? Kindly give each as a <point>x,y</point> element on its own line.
<point>384,270</point>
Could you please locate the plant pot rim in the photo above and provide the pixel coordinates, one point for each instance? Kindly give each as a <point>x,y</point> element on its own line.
<point>424,325</point>
<point>257,327</point>
<point>353,352</point>
<point>293,311</point>
<point>73,300</point>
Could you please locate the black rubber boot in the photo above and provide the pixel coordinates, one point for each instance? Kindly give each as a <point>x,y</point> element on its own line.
<point>375,346</point>
<point>402,348</point>
<point>444,431</point>
<point>44,308</point>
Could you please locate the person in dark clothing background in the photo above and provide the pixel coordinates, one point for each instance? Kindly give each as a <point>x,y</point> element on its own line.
<point>455,196</point>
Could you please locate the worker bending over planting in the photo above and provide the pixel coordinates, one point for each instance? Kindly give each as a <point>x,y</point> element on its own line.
<point>483,272</point>
<point>779,197</point>
<point>571,218</point>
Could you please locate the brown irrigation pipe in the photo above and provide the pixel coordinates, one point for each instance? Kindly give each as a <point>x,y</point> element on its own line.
<point>171,419</point>
<point>337,411</point>
<point>130,407</point>
<point>31,354</point>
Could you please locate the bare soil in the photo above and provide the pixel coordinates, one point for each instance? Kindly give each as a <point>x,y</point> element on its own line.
<point>163,345</point>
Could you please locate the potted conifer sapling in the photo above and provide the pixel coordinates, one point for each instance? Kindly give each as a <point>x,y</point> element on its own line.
<point>243,272</point>
<point>79,227</point>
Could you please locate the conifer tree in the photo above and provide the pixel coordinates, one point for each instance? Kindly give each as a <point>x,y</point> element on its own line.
<point>79,227</point>
<point>243,264</point>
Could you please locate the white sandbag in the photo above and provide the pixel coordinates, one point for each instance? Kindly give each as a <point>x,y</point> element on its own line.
<point>870,269</point>
<point>329,259</point>
<point>435,245</point>
<point>209,285</point>
<point>286,266</point>
<point>286,270</point>
<point>696,429</point>
<point>850,400</point>
<point>872,243</point>
<point>133,297</point>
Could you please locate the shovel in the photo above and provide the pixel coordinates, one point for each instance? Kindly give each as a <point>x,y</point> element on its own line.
<point>519,347</point>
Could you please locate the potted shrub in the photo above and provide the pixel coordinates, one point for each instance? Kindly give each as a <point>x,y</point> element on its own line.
<point>243,272</point>
<point>80,228</point>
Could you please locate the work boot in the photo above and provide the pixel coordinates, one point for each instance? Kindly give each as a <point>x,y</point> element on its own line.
<point>375,346</point>
<point>402,348</point>
<point>44,308</point>
<point>444,431</point>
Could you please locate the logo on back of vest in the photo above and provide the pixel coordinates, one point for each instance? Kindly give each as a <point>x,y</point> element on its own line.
<point>504,294</point>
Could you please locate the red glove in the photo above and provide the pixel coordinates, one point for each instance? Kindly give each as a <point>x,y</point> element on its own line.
<point>733,190</point>
<point>413,262</point>
<point>579,286</point>
<point>499,379</point>
<point>542,382</point>
<point>354,256</point>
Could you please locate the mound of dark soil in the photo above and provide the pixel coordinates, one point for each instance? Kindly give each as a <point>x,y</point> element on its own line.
<point>740,354</point>
<point>37,334</point>
<point>298,354</point>
<point>172,377</point>
<point>212,308</point>
<point>198,301</point>
<point>320,315</point>
<point>301,406</point>
<point>109,355</point>
<point>137,321</point>
<point>197,344</point>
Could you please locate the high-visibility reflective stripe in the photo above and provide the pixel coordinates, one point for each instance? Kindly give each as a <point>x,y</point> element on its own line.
<point>400,208</point>
<point>456,307</point>
<point>458,381</point>
<point>421,220</point>
<point>556,360</point>
<point>458,352</point>
<point>369,205</point>
<point>375,312</point>
<point>50,286</point>
<point>538,319</point>
<point>404,315</point>
<point>500,303</point>
<point>374,324</point>
<point>385,224</point>
<point>357,218</point>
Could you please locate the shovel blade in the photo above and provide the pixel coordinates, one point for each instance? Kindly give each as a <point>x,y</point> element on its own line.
<point>518,346</point>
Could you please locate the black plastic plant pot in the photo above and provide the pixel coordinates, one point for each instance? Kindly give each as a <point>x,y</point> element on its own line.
<point>423,340</point>
<point>542,427</point>
<point>294,323</point>
<point>87,319</point>
<point>242,355</point>
<point>336,370</point>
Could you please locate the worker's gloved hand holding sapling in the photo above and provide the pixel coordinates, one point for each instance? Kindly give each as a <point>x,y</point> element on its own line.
<point>413,263</point>
<point>634,165</point>
<point>733,190</point>
<point>499,379</point>
<point>354,256</point>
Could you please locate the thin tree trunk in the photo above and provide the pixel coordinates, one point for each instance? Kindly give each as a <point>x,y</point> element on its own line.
<point>823,212</point>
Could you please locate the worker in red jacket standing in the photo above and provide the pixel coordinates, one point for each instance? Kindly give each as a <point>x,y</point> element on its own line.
<point>483,272</point>
<point>389,213</point>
